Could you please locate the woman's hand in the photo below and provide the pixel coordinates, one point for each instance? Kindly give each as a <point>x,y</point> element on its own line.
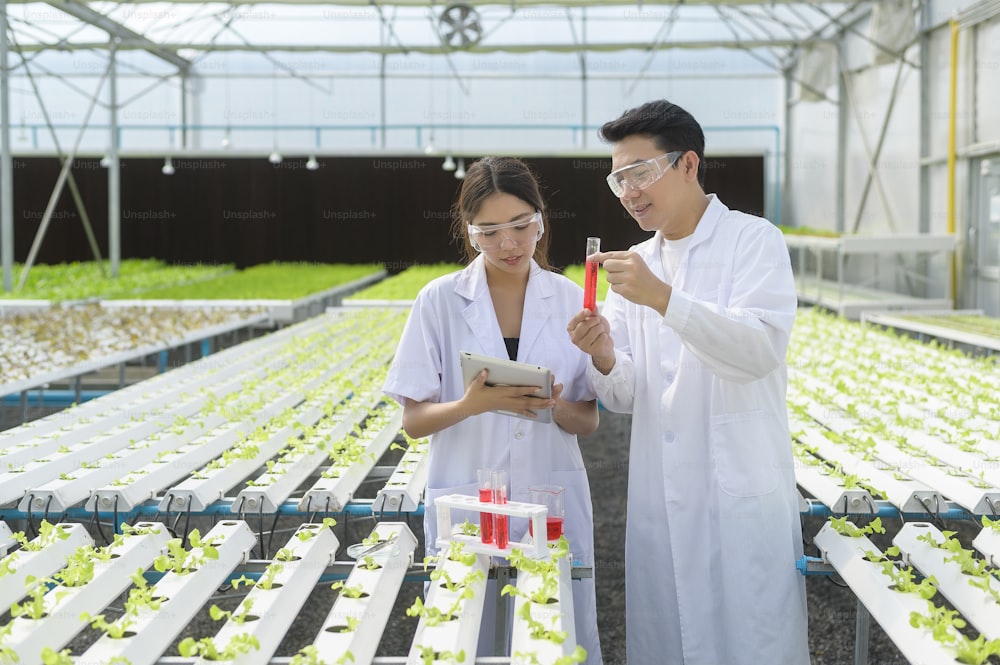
<point>480,398</point>
<point>579,418</point>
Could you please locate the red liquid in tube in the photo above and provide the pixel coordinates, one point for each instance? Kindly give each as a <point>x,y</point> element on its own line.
<point>500,522</point>
<point>486,519</point>
<point>590,281</point>
<point>590,290</point>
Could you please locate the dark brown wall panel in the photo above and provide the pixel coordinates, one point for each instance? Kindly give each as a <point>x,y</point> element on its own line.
<point>391,210</point>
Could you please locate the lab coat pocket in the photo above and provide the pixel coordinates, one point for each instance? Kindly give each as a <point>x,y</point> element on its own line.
<point>578,522</point>
<point>457,516</point>
<point>743,454</point>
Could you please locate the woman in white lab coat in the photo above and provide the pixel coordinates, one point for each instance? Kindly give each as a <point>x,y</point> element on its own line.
<point>692,342</point>
<point>506,303</point>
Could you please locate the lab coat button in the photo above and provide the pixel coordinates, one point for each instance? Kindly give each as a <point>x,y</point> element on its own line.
<point>518,435</point>
<point>668,437</point>
<point>669,377</point>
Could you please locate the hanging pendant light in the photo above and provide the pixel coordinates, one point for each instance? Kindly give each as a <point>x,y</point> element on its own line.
<point>460,171</point>
<point>311,163</point>
<point>449,164</point>
<point>168,166</point>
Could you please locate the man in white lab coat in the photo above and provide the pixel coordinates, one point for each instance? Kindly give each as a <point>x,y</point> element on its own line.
<point>691,340</point>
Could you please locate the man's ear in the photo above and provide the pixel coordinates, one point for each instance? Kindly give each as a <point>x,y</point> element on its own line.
<point>691,162</point>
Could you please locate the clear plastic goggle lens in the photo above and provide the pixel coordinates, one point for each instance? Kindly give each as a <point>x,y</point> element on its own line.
<point>492,236</point>
<point>642,175</point>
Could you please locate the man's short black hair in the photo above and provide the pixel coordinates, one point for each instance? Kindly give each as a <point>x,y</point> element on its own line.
<point>669,125</point>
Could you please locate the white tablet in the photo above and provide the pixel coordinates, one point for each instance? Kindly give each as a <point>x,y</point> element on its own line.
<point>503,372</point>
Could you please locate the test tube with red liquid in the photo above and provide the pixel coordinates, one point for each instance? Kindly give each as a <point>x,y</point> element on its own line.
<point>485,496</point>
<point>501,533</point>
<point>590,286</point>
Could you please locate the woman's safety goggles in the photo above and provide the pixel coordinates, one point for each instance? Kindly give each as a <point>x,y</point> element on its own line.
<point>641,175</point>
<point>520,232</point>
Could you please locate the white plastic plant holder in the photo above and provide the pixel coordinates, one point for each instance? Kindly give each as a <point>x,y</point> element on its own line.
<point>556,616</point>
<point>6,539</point>
<point>355,625</point>
<point>304,558</point>
<point>42,487</point>
<point>196,494</point>
<point>890,608</point>
<point>961,488</point>
<point>182,596</point>
<point>972,463</point>
<point>830,491</point>
<point>40,563</point>
<point>334,493</point>
<point>908,496</point>
<point>974,603</point>
<point>88,419</point>
<point>404,489</point>
<point>454,628</point>
<point>535,546</point>
<point>150,462</point>
<point>270,489</point>
<point>144,483</point>
<point>987,541</point>
<point>63,605</point>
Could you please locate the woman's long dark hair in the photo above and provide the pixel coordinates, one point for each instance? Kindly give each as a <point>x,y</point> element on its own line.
<point>490,175</point>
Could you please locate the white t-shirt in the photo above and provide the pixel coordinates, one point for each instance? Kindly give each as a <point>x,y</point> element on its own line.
<point>671,253</point>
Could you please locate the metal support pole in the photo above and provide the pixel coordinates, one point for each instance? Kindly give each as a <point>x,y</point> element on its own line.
<point>6,161</point>
<point>381,101</point>
<point>583,79</point>
<point>862,625</point>
<point>114,172</point>
<point>184,109</point>
<point>500,634</point>
<point>841,210</point>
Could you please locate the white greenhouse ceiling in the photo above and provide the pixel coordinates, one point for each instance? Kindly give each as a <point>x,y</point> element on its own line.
<point>184,31</point>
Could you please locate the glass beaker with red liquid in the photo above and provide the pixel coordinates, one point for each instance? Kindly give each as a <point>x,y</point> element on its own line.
<point>550,496</point>
<point>501,523</point>
<point>485,496</point>
<point>590,283</point>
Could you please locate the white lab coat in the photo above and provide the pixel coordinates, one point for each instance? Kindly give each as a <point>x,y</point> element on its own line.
<point>713,528</point>
<point>455,313</point>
